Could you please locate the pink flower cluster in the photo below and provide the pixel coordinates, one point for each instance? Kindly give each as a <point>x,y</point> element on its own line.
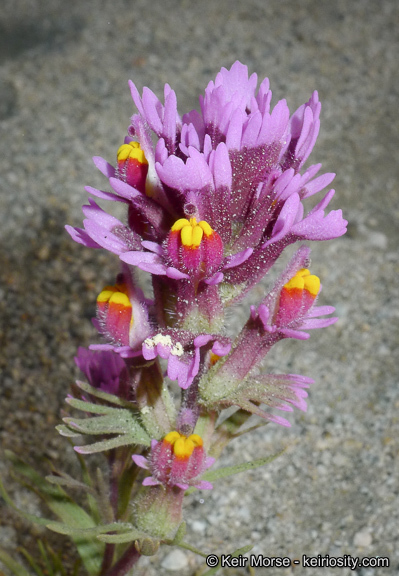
<point>212,199</point>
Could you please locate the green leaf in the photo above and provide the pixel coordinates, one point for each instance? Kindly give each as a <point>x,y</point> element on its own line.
<point>56,561</point>
<point>188,546</point>
<point>120,421</point>
<point>103,395</point>
<point>126,481</point>
<point>61,528</point>
<point>67,510</point>
<point>31,517</point>
<point>120,538</point>
<point>88,406</point>
<point>47,562</point>
<point>251,428</point>
<point>181,532</point>
<point>12,565</point>
<point>65,431</point>
<point>213,475</point>
<point>91,499</point>
<point>115,421</point>
<point>124,440</point>
<point>31,561</point>
<point>66,480</point>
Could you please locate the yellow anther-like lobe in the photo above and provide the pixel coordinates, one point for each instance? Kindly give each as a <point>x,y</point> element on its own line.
<point>106,294</point>
<point>196,439</point>
<point>116,294</point>
<point>295,282</point>
<point>312,284</point>
<point>172,437</point>
<point>186,236</point>
<point>303,272</point>
<point>178,225</point>
<point>304,280</point>
<point>183,447</point>
<point>197,235</point>
<point>191,232</point>
<point>119,298</point>
<point>205,227</point>
<point>131,150</point>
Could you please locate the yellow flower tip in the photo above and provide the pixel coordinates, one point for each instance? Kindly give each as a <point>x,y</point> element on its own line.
<point>120,298</point>
<point>303,280</point>
<point>205,227</point>
<point>172,437</point>
<point>312,285</point>
<point>106,294</point>
<point>196,439</point>
<point>295,282</point>
<point>186,235</point>
<point>191,232</point>
<point>303,272</point>
<point>178,225</point>
<point>114,294</point>
<point>183,447</point>
<point>133,151</point>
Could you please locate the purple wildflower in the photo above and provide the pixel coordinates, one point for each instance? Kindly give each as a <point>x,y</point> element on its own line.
<point>176,460</point>
<point>104,370</point>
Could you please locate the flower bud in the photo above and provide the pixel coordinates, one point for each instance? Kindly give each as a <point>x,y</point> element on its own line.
<point>114,312</point>
<point>297,296</point>
<point>132,165</point>
<point>122,313</point>
<point>158,511</point>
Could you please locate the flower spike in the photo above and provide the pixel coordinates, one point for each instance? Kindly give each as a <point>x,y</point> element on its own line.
<point>212,199</point>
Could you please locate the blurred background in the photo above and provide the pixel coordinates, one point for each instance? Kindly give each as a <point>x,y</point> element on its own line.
<point>64,97</point>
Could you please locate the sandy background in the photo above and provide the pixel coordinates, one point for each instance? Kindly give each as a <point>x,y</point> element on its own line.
<point>64,98</point>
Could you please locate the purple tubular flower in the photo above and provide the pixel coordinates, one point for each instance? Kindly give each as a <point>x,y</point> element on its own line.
<point>123,314</point>
<point>104,370</point>
<point>304,129</point>
<point>101,230</point>
<point>176,460</point>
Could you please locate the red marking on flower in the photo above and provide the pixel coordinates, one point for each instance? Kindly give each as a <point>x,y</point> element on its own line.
<point>297,296</point>
<point>114,312</point>
<point>132,165</point>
